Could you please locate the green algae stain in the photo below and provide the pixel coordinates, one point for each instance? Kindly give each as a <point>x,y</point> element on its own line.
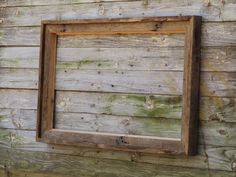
<point>73,65</point>
<point>83,63</point>
<point>1,117</point>
<point>145,105</point>
<point>138,98</point>
<point>169,107</point>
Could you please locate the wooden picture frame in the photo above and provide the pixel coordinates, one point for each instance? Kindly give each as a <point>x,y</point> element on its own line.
<point>190,27</point>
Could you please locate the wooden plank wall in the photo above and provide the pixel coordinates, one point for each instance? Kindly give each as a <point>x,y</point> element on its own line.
<point>20,155</point>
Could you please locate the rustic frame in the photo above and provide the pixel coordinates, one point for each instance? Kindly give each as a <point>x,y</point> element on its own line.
<point>188,25</point>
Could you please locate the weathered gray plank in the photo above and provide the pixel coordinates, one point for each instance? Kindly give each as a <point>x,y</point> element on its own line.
<point>211,109</point>
<point>219,34</point>
<point>163,58</point>
<point>119,104</point>
<point>18,78</point>
<point>19,57</point>
<point>211,35</point>
<point>218,134</point>
<point>213,133</point>
<point>218,84</point>
<point>25,140</point>
<point>8,3</point>
<point>12,3</point>
<point>160,127</point>
<point>152,82</point>
<point>18,118</point>
<point>120,41</point>
<point>26,36</point>
<point>212,157</point>
<point>218,109</point>
<point>218,59</point>
<point>213,58</point>
<point>29,16</point>
<point>20,101</point>
<point>212,83</point>
<point>41,162</point>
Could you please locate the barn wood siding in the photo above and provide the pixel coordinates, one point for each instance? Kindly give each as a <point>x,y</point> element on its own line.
<point>19,49</point>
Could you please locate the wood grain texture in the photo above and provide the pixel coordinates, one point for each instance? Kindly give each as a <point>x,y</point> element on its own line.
<point>120,41</point>
<point>191,88</point>
<point>217,132</point>
<point>212,83</point>
<point>120,81</point>
<point>29,16</point>
<point>120,104</point>
<point>118,124</point>
<point>211,35</point>
<point>72,2</point>
<point>61,164</point>
<point>12,3</point>
<point>45,131</point>
<point>18,118</point>
<point>213,58</point>
<point>219,109</point>
<point>208,156</point>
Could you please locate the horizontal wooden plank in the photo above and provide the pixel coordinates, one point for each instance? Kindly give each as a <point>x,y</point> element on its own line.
<point>29,16</point>
<point>139,26</point>
<point>211,35</point>
<point>12,3</point>
<point>33,161</point>
<point>213,58</point>
<point>160,127</point>
<point>25,140</point>
<point>23,103</point>
<point>152,82</point>
<point>163,58</point>
<point>218,59</point>
<point>218,84</point>
<point>218,109</point>
<point>26,36</point>
<point>119,104</point>
<point>24,173</point>
<point>15,116</point>
<point>19,78</point>
<point>216,132</point>
<point>18,99</point>
<point>212,83</point>
<point>18,118</point>
<point>120,41</point>
<point>19,57</point>
<point>211,109</point>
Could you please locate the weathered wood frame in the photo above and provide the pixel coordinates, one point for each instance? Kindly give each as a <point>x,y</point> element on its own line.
<point>190,26</point>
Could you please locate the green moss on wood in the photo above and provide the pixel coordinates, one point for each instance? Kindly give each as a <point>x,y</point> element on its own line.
<point>82,63</point>
<point>1,117</point>
<point>146,106</point>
